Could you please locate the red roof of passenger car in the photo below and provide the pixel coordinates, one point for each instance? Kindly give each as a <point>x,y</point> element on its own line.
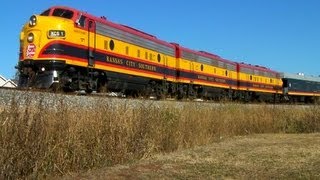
<point>125,28</point>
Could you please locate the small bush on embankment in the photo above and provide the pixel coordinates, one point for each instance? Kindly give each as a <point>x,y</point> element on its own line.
<point>37,139</point>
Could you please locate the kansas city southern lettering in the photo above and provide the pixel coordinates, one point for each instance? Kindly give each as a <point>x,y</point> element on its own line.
<point>147,67</point>
<point>132,64</point>
<point>211,79</point>
<point>114,60</point>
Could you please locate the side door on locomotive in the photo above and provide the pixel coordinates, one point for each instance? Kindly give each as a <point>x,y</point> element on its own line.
<point>90,26</point>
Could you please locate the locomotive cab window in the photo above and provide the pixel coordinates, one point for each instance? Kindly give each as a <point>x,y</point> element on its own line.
<point>81,21</point>
<point>63,13</point>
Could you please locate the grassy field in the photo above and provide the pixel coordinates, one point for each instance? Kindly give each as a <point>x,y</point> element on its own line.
<point>267,156</point>
<point>38,140</point>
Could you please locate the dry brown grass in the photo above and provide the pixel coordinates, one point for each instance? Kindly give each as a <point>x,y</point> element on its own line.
<point>38,140</point>
<point>264,156</point>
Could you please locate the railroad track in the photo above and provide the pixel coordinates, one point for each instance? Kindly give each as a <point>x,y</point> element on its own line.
<point>80,99</point>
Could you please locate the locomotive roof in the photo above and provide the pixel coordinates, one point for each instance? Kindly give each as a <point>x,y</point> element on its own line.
<point>125,28</point>
<point>257,67</point>
<point>206,54</point>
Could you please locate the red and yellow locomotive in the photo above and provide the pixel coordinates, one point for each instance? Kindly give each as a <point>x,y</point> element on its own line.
<point>64,48</point>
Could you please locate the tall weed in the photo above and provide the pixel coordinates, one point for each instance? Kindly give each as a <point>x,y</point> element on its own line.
<point>38,139</point>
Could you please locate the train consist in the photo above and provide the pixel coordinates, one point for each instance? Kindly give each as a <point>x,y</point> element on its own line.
<point>71,50</point>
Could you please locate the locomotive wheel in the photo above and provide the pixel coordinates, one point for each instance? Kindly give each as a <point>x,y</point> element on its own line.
<point>147,91</point>
<point>160,92</point>
<point>56,87</point>
<point>182,92</point>
<point>102,83</point>
<point>102,89</point>
<point>192,94</point>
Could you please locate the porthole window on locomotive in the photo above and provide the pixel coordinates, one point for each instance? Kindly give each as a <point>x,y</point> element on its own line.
<point>159,58</point>
<point>111,45</point>
<point>201,67</point>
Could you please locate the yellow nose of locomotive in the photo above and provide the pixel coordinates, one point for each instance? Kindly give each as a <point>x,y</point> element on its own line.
<point>38,32</point>
<point>37,62</point>
<point>30,39</point>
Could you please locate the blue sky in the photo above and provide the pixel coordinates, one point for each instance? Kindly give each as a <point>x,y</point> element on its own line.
<point>283,35</point>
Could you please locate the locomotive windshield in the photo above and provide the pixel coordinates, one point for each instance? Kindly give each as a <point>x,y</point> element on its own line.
<point>63,13</point>
<point>45,13</point>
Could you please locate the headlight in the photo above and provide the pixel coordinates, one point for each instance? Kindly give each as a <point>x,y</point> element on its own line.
<point>56,34</point>
<point>33,21</point>
<point>30,37</point>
